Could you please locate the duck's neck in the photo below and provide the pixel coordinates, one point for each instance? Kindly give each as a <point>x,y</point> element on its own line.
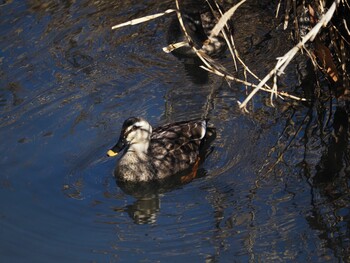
<point>140,149</point>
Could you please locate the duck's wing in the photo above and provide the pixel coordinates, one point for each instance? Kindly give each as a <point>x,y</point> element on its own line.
<point>175,147</point>
<point>185,130</point>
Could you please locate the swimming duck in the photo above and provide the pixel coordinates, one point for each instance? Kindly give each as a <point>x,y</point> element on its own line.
<point>157,154</point>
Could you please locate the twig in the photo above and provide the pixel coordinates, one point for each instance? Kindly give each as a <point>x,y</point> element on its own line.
<point>285,60</point>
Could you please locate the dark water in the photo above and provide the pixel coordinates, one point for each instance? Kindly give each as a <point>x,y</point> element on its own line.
<point>275,188</point>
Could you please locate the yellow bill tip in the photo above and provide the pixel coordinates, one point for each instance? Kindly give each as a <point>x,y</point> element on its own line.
<point>110,153</point>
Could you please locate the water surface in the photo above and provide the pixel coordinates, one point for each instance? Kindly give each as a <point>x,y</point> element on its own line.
<point>67,84</point>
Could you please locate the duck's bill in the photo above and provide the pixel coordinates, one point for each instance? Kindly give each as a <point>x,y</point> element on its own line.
<point>117,148</point>
<point>111,153</point>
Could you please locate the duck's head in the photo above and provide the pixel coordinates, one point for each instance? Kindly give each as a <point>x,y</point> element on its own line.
<point>135,134</point>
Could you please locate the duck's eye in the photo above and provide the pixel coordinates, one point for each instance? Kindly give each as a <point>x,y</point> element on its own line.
<point>134,128</point>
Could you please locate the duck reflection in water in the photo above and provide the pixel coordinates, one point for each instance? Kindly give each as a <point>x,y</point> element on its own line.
<point>159,160</point>
<point>147,194</point>
<point>144,210</point>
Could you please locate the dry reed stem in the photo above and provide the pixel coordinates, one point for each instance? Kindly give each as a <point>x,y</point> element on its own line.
<point>346,26</point>
<point>234,52</point>
<point>278,8</point>
<point>246,68</point>
<point>232,48</point>
<point>280,94</point>
<point>172,47</point>
<point>229,41</point>
<point>143,19</point>
<point>285,60</point>
<point>216,68</point>
<point>223,20</point>
<point>286,15</point>
<point>179,17</point>
<point>207,60</point>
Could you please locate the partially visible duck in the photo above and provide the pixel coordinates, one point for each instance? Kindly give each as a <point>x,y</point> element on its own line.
<point>157,154</point>
<point>199,20</point>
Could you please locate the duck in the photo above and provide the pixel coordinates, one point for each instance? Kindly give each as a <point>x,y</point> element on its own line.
<point>154,154</point>
<point>199,19</point>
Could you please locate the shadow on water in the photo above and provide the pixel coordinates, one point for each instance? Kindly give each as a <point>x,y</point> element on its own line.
<point>330,189</point>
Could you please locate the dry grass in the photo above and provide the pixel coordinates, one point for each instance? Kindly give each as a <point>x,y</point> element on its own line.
<point>222,28</point>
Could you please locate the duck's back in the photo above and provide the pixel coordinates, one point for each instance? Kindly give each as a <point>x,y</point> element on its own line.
<point>175,147</point>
